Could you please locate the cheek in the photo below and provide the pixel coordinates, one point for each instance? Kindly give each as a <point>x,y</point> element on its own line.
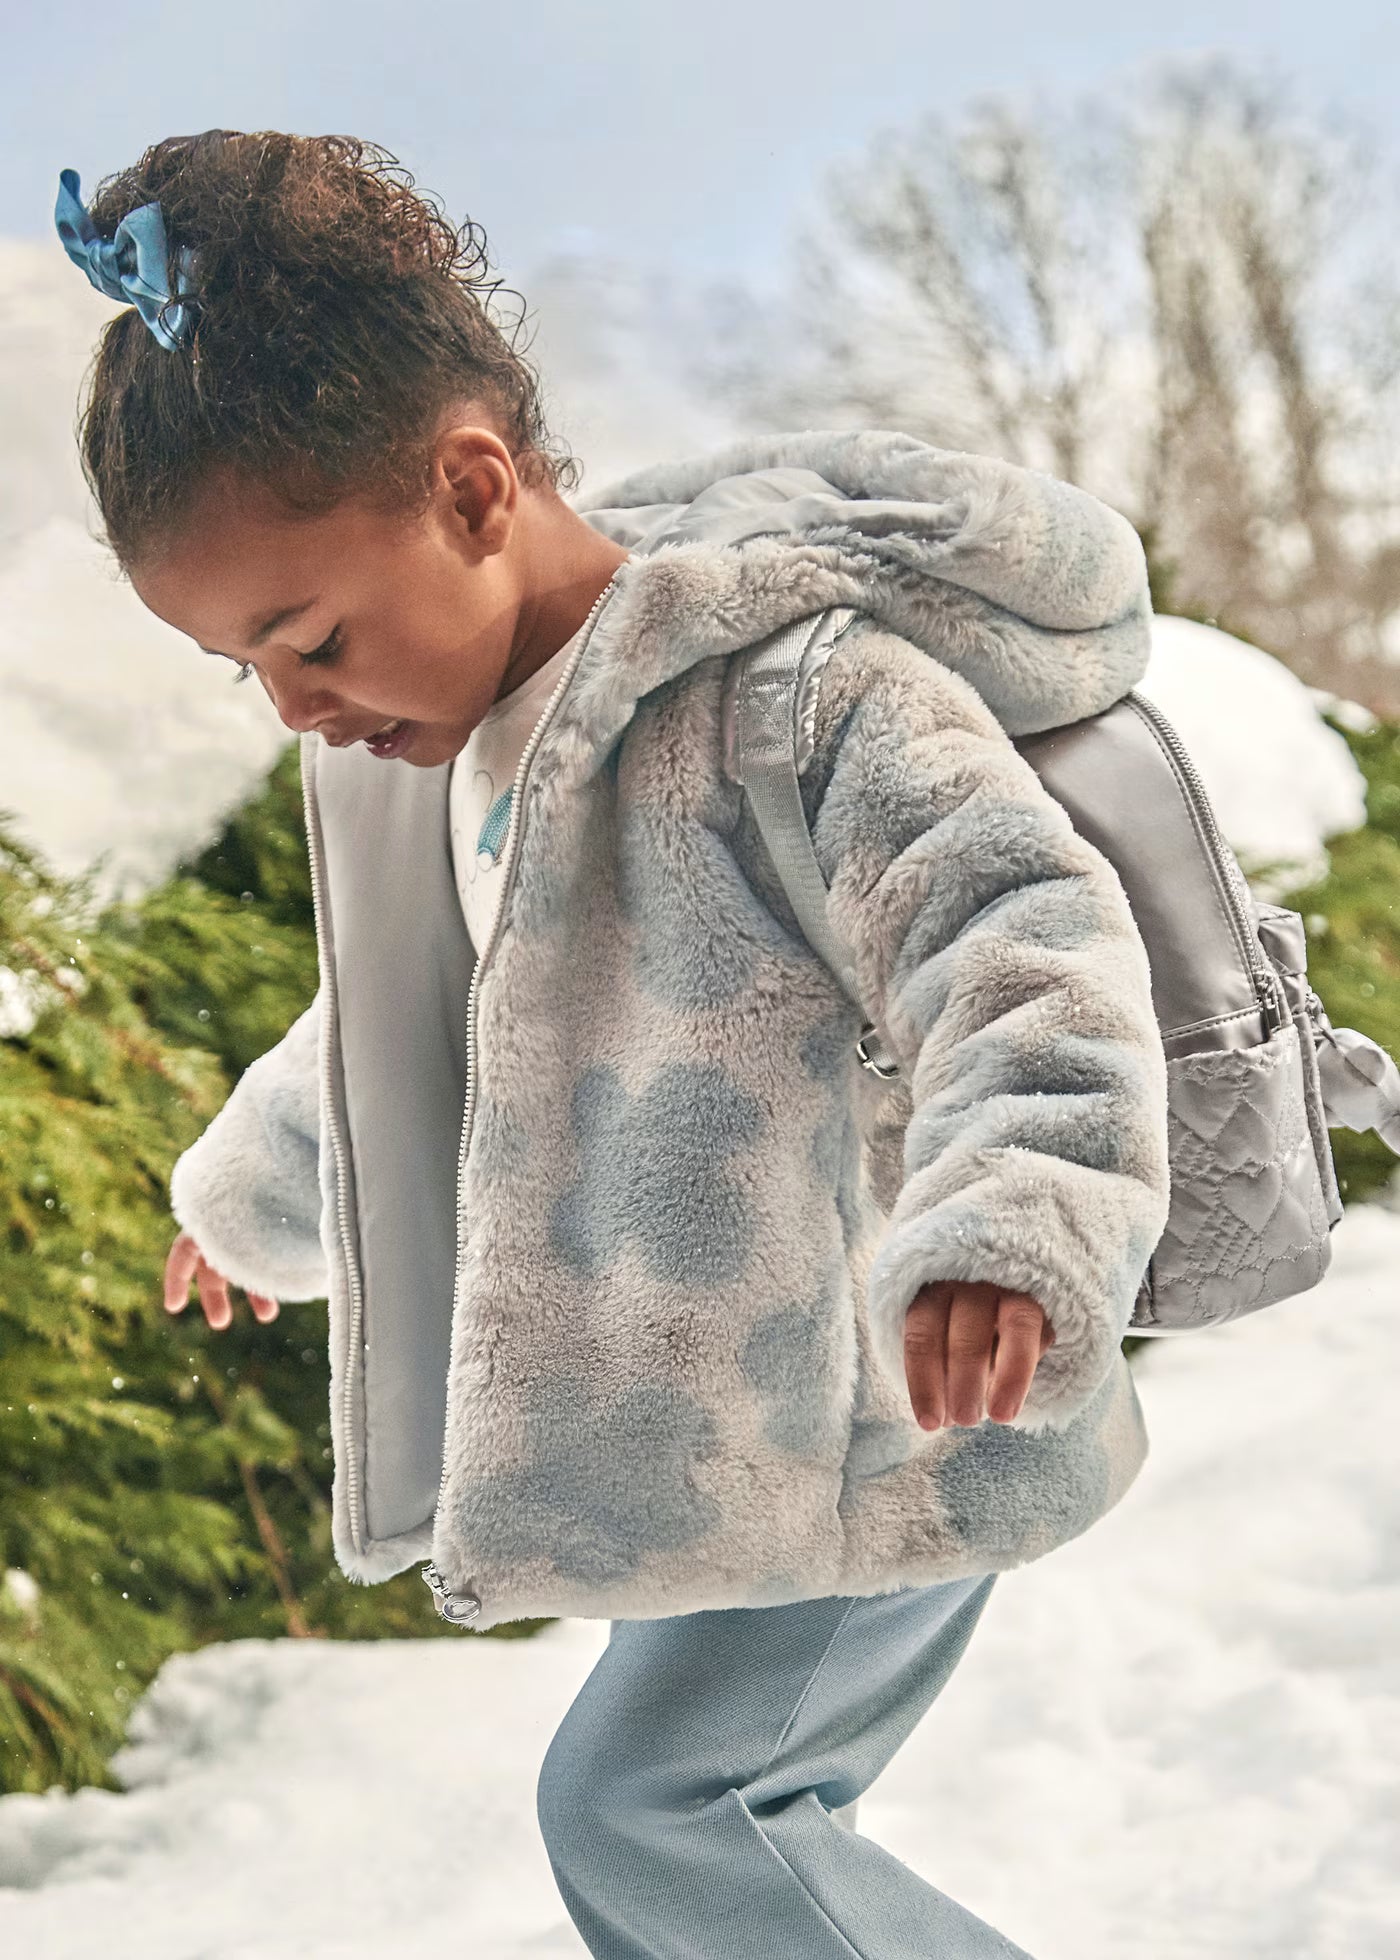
<point>435,647</point>
<point>455,661</point>
<point>409,676</point>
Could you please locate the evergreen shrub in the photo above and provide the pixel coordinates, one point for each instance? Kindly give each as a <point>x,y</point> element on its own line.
<point>161,1485</point>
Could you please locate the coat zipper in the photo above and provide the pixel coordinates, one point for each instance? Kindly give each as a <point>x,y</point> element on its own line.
<point>1227,872</point>
<point>352,1479</point>
<point>460,1609</point>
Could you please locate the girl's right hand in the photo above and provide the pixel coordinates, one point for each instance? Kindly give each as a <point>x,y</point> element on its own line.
<point>187,1262</point>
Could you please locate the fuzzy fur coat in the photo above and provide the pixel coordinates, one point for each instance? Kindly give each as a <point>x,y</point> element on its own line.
<point>617,1235</point>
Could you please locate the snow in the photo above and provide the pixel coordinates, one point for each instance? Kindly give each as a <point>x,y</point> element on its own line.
<point>118,737</point>
<point>22,1587</point>
<point>1279,779</point>
<point>1176,1736</point>
<point>22,996</point>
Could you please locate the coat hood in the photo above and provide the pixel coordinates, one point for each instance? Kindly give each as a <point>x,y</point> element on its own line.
<point>1035,593</point>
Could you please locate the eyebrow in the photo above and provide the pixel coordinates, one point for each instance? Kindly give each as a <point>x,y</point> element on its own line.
<point>264,628</point>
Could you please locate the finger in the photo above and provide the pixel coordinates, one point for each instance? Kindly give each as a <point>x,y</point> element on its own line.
<point>263,1305</point>
<point>971,1330</point>
<point>213,1292</point>
<point>1020,1327</point>
<point>925,1350</point>
<point>179,1271</point>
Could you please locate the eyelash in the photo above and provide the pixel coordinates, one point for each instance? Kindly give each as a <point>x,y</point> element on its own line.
<point>317,657</point>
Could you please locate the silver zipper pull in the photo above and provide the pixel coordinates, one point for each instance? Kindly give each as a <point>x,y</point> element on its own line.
<point>1317,1011</point>
<point>449,1606</point>
<point>886,1071</point>
<point>1276,1002</point>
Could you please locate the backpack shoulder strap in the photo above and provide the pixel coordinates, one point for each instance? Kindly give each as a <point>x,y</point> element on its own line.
<point>766,744</point>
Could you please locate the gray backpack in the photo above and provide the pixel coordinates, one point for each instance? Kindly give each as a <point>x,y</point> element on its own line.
<point>1255,1070</point>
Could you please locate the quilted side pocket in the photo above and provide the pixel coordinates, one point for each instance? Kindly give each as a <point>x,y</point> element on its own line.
<point>1247,1223</point>
<point>1282,935</point>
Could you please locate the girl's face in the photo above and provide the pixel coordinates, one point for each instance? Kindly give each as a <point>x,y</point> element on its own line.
<point>353,620</point>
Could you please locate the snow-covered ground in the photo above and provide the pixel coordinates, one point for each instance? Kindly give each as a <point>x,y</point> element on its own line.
<point>1190,1719</point>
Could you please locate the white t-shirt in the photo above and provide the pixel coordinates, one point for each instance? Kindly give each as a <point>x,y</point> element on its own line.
<point>479,791</point>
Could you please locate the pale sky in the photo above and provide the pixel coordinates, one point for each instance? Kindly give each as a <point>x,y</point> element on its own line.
<point>681,137</point>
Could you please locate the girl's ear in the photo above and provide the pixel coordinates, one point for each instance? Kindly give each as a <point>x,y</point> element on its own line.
<point>478,474</point>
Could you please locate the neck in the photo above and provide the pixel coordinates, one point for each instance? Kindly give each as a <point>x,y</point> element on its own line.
<point>566,564</point>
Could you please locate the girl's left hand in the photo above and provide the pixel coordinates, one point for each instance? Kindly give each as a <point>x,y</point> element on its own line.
<point>186,1262</point>
<point>970,1351</point>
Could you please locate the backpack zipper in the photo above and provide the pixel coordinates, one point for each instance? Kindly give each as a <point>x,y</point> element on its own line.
<point>462,1608</point>
<point>1229,877</point>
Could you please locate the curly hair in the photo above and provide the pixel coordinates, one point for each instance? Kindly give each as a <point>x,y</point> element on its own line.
<point>337,314</point>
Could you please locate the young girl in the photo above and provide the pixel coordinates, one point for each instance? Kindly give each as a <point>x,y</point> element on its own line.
<point>649,1301</point>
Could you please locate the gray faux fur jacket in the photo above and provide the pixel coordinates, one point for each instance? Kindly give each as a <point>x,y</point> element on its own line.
<point>614,1210</point>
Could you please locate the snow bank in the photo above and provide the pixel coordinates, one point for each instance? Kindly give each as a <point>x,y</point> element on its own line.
<point>118,735</point>
<point>1175,1737</point>
<point>1279,779</point>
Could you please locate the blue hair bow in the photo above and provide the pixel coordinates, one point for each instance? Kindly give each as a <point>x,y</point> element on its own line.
<point>134,264</point>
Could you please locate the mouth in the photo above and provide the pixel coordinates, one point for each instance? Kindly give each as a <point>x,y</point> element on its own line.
<point>390,740</point>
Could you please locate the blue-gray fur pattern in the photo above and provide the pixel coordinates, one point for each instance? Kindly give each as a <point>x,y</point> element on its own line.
<point>577,1501</point>
<point>653,1169</point>
<point>692,1224</point>
<point>781,1356</point>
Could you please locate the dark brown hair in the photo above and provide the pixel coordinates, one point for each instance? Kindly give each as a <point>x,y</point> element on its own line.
<point>336,314</point>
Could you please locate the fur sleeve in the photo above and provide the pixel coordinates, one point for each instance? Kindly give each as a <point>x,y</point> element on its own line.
<point>995,950</point>
<point>248,1189</point>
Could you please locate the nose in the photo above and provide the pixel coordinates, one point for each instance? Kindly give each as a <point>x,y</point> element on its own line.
<point>303,710</point>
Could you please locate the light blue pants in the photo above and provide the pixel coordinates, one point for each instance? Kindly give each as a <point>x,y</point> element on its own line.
<point>687,1799</point>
